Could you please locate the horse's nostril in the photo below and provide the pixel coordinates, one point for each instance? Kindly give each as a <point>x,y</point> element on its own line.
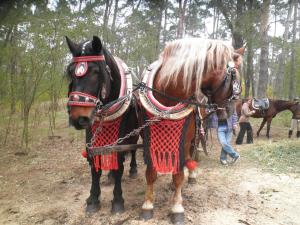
<point>84,121</point>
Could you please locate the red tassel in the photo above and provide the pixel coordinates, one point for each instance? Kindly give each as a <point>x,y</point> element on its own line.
<point>191,164</point>
<point>84,154</point>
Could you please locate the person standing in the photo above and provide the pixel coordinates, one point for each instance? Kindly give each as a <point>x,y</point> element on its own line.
<point>245,124</point>
<point>295,121</point>
<point>225,128</point>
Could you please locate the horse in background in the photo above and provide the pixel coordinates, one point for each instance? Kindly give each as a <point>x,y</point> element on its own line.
<point>96,80</point>
<point>275,107</point>
<point>187,69</point>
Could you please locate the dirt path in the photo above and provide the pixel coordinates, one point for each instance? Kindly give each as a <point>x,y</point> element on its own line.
<point>50,185</point>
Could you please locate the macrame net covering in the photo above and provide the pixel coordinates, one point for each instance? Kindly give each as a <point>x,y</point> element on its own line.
<point>165,137</point>
<point>108,135</point>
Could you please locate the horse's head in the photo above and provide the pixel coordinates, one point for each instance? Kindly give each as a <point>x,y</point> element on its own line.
<point>221,79</point>
<point>295,109</point>
<point>90,81</point>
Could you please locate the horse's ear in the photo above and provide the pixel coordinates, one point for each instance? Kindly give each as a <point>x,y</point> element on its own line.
<point>96,44</point>
<point>74,48</point>
<point>241,50</point>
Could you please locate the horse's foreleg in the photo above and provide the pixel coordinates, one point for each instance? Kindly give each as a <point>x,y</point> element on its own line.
<point>118,201</point>
<point>93,203</point>
<point>147,207</point>
<point>177,216</point>
<point>133,165</point>
<point>261,126</point>
<point>192,177</point>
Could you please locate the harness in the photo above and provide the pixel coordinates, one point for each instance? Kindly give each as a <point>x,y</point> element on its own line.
<point>181,113</point>
<point>109,121</point>
<point>164,140</point>
<point>116,108</point>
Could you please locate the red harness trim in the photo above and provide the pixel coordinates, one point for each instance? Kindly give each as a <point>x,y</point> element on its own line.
<point>89,58</point>
<point>165,144</point>
<point>77,98</point>
<point>83,94</point>
<point>108,135</point>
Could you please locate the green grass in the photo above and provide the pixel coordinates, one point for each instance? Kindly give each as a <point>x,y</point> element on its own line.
<point>278,157</point>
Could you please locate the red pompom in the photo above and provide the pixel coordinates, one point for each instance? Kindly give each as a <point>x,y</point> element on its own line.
<point>191,164</point>
<point>84,153</point>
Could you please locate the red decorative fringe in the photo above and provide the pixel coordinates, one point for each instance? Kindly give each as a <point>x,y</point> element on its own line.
<point>165,145</point>
<point>108,134</point>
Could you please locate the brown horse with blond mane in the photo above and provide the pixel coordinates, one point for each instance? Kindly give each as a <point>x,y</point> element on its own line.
<point>187,69</point>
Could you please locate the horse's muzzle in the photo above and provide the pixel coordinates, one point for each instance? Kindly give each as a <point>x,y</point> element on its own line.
<point>82,122</point>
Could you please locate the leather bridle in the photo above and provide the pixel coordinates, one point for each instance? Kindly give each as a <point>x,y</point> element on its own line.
<point>78,98</point>
<point>229,74</point>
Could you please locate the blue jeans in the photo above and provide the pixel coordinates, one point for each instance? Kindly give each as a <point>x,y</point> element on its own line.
<point>224,136</point>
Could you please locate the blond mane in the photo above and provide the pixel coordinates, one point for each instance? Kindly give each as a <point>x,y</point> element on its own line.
<point>187,58</point>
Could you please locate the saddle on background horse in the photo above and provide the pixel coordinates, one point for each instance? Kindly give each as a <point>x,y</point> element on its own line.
<point>260,104</point>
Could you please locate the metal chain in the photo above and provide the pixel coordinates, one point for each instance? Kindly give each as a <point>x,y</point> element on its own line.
<point>161,115</point>
<point>98,130</point>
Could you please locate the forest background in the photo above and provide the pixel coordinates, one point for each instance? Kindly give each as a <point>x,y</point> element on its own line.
<point>34,54</point>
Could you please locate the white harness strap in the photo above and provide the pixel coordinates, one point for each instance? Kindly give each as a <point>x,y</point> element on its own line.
<point>150,104</point>
<point>120,108</point>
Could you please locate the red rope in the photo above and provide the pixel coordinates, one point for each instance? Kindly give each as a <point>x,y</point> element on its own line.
<point>108,135</point>
<point>165,144</point>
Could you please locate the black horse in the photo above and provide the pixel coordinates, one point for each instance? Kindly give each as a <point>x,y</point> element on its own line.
<point>95,80</point>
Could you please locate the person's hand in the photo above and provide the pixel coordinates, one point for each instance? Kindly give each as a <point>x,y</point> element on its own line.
<point>234,129</point>
<point>253,111</point>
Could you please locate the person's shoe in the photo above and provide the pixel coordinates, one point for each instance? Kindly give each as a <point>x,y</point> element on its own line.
<point>234,160</point>
<point>223,162</point>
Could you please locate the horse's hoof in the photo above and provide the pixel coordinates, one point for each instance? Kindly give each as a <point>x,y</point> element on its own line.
<point>192,180</point>
<point>92,208</point>
<point>147,214</point>
<point>177,218</point>
<point>117,207</point>
<point>133,174</point>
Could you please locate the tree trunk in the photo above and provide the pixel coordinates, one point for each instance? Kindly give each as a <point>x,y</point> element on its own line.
<point>293,55</point>
<point>158,28</point>
<point>165,22</point>
<point>108,4</point>
<point>250,54</point>
<point>182,8</point>
<point>279,79</point>
<point>263,62</point>
<point>249,70</point>
<point>236,34</point>
<point>113,27</point>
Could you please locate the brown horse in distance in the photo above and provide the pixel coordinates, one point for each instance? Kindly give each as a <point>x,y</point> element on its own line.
<point>275,107</point>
